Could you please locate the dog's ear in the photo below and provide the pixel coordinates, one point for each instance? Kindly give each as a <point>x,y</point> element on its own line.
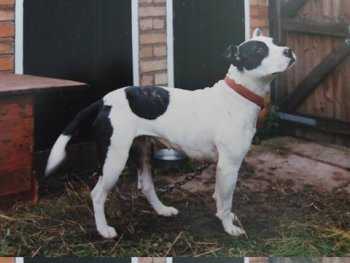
<point>232,55</point>
<point>232,52</point>
<point>258,32</point>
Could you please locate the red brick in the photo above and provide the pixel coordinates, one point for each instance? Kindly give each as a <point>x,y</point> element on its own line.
<point>7,14</point>
<point>153,65</point>
<point>146,24</point>
<point>159,23</point>
<point>7,260</point>
<point>146,52</point>
<point>160,51</point>
<point>258,260</point>
<point>16,125</point>
<point>6,46</point>
<point>259,15</point>
<point>7,29</point>
<point>152,11</point>
<point>152,38</point>
<point>145,260</point>
<point>161,79</point>
<point>259,2</point>
<point>147,80</point>
<point>145,1</point>
<point>259,12</point>
<point>158,260</point>
<point>6,62</point>
<point>259,22</point>
<point>7,2</point>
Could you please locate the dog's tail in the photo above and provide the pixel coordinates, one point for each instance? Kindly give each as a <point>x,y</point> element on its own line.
<point>58,152</point>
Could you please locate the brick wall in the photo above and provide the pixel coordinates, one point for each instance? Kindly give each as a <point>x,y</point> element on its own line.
<point>6,260</point>
<point>151,260</point>
<point>258,260</point>
<point>259,15</point>
<point>7,32</point>
<point>153,49</point>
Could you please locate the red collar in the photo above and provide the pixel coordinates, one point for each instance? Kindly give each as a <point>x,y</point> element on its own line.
<point>246,93</point>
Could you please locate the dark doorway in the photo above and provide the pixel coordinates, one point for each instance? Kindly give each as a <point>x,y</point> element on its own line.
<point>203,29</point>
<point>82,40</point>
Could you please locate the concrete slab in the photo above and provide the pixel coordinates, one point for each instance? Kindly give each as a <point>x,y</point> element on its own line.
<point>298,164</point>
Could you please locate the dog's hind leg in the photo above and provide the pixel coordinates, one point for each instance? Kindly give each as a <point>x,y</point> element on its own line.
<point>144,171</point>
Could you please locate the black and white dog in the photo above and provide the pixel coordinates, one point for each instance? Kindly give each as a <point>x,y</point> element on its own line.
<point>215,124</point>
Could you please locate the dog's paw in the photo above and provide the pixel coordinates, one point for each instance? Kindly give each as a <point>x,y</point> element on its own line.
<point>107,232</point>
<point>167,211</point>
<point>233,230</point>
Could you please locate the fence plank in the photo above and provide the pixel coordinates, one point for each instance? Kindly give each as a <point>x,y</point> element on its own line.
<point>311,82</point>
<point>292,7</point>
<point>319,28</point>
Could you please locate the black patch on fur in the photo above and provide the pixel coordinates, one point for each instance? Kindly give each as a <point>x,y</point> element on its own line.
<point>148,102</point>
<point>248,56</point>
<point>103,132</point>
<point>87,115</point>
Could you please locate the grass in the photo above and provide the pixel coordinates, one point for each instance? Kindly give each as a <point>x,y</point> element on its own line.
<point>278,222</point>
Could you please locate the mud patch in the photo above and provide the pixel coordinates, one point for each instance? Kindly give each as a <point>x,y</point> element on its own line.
<point>283,214</point>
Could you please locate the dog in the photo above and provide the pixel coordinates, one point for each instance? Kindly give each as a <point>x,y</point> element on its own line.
<point>215,124</point>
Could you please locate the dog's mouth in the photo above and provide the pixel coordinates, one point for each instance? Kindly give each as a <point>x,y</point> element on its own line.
<point>291,62</point>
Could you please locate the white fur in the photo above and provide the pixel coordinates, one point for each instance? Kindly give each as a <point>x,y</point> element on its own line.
<point>57,154</point>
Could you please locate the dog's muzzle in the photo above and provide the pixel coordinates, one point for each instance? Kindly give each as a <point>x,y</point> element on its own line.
<point>289,53</point>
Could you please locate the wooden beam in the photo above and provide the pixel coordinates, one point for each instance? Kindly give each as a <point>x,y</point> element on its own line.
<point>292,7</point>
<point>312,81</point>
<point>275,22</point>
<point>309,27</point>
<point>322,124</point>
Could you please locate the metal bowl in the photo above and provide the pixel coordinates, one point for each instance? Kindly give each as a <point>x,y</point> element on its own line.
<point>169,158</point>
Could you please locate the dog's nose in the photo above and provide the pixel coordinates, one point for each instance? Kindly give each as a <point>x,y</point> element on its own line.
<point>288,52</point>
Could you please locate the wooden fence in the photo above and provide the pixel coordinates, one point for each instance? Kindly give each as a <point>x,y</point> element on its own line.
<point>315,94</point>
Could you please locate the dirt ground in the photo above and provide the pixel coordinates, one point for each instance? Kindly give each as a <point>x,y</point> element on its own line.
<point>292,199</point>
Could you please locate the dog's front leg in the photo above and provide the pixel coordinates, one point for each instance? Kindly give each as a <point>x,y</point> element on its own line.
<point>226,178</point>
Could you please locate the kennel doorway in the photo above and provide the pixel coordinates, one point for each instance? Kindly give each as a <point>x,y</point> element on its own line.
<point>203,29</point>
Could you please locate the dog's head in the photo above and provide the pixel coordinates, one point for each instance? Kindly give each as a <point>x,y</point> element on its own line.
<point>260,57</point>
